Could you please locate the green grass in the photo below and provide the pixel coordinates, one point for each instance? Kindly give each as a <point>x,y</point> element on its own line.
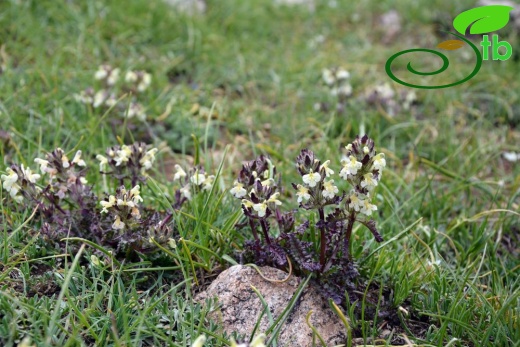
<point>447,195</point>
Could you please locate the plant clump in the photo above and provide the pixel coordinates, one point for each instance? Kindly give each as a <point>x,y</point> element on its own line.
<point>318,245</point>
<point>66,205</point>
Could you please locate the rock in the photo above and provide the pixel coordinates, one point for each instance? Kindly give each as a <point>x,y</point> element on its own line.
<point>390,24</point>
<point>309,3</point>
<point>190,7</point>
<point>240,307</point>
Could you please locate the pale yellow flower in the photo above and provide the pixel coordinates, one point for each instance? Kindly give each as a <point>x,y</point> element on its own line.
<point>312,178</point>
<point>199,342</point>
<point>118,224</point>
<point>260,208</point>
<point>303,193</point>
<point>238,190</point>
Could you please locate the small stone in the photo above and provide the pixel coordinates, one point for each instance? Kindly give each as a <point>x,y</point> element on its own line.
<point>190,7</point>
<point>390,24</point>
<point>240,307</point>
<point>511,156</point>
<point>309,3</point>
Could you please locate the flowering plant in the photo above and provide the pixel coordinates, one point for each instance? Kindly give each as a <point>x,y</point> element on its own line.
<point>322,247</point>
<point>337,80</point>
<point>67,206</point>
<point>112,90</point>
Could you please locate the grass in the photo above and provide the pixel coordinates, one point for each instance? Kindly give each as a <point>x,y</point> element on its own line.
<point>448,203</point>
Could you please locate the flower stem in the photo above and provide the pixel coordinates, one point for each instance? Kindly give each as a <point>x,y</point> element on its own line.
<point>264,229</point>
<point>350,225</point>
<point>323,245</point>
<point>253,228</point>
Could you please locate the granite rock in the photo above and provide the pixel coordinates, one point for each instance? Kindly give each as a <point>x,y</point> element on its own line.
<point>240,306</point>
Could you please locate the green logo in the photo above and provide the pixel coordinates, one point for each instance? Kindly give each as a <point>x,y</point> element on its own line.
<point>480,20</point>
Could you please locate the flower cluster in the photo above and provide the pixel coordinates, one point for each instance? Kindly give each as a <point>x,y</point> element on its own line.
<point>192,182</point>
<point>111,91</point>
<point>62,176</point>
<point>362,168</point>
<point>337,81</point>
<point>20,180</point>
<point>127,162</point>
<point>124,206</point>
<point>140,80</point>
<point>382,95</point>
<point>318,188</point>
<point>62,172</point>
<point>257,189</point>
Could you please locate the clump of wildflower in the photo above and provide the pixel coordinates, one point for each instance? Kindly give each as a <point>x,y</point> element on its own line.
<point>330,258</point>
<point>257,189</point>
<point>192,182</point>
<point>68,207</point>
<point>111,91</point>
<point>127,162</point>
<point>60,192</point>
<point>392,102</point>
<point>337,80</point>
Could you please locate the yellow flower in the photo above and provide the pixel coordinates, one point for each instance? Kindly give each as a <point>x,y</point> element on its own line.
<point>118,224</point>
<point>260,208</point>
<point>312,178</point>
<point>247,203</point>
<point>303,193</point>
<point>274,199</point>
<point>123,155</point>
<point>325,166</point>
<point>10,184</point>
<point>77,159</point>
<point>103,161</point>
<point>368,181</point>
<point>238,190</point>
<point>136,194</point>
<point>107,204</point>
<point>350,167</point>
<point>379,162</point>
<point>180,173</point>
<point>199,342</point>
<point>148,159</point>
<point>330,190</point>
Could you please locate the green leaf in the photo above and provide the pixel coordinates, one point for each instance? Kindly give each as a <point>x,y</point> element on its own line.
<point>483,19</point>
